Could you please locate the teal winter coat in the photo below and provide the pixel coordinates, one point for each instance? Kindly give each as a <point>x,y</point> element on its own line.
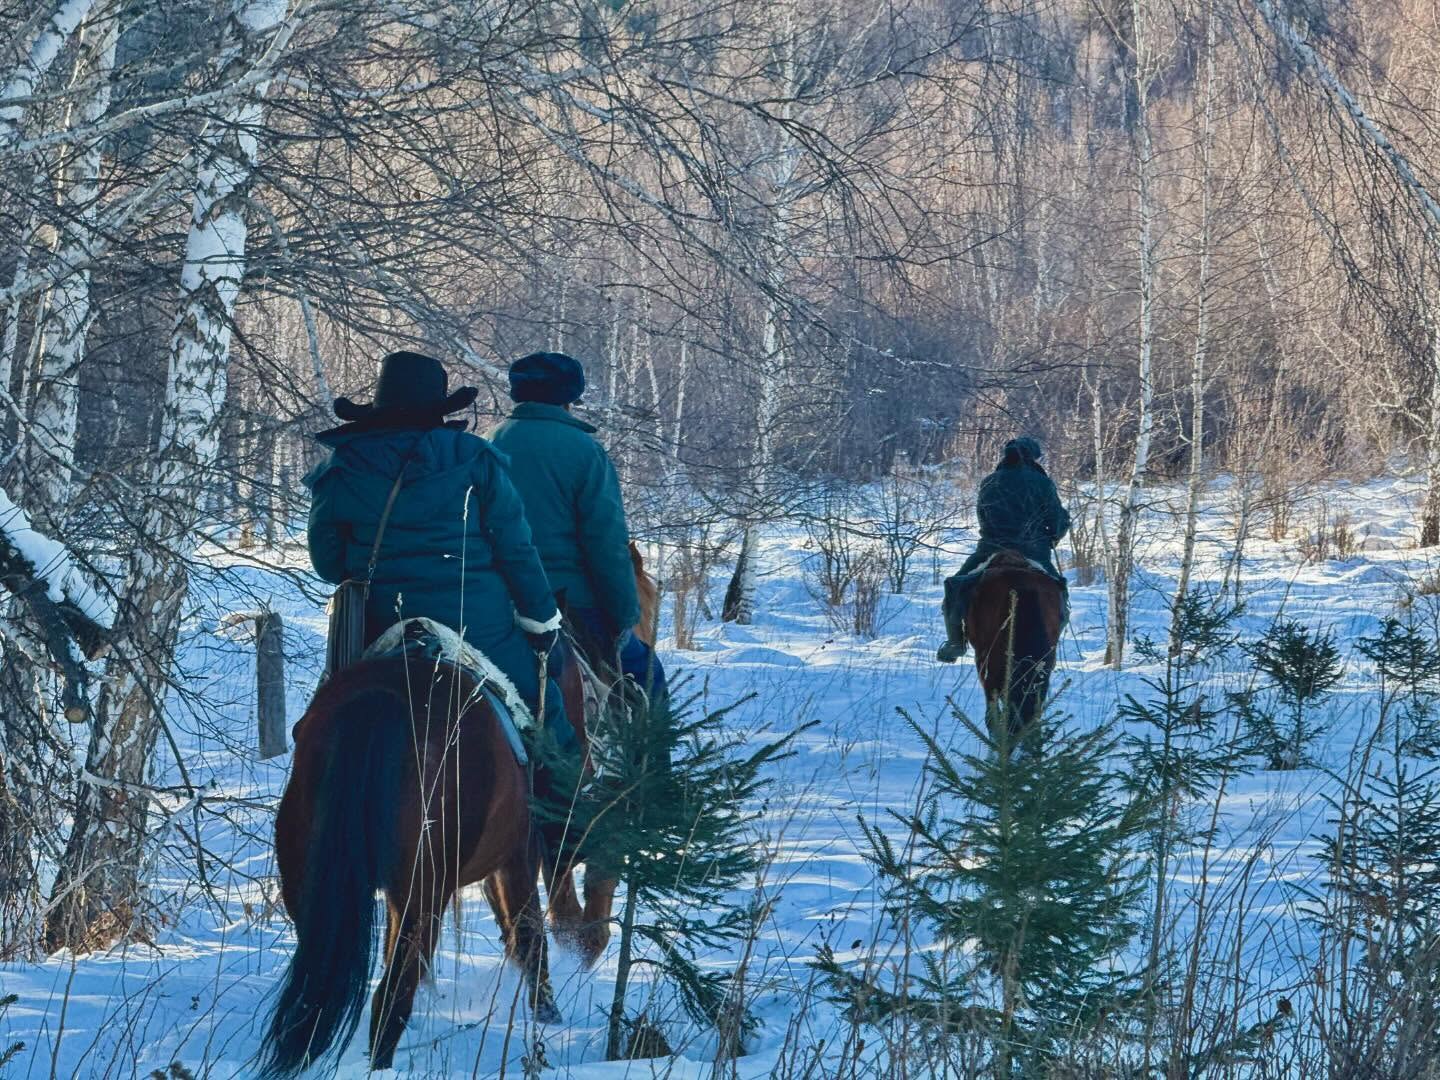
<point>457,548</point>
<point>572,500</point>
<point>1018,508</point>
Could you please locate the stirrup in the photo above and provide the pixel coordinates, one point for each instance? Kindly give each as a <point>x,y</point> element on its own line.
<point>951,651</point>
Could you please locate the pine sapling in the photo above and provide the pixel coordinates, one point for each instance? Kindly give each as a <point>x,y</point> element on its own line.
<point>669,812</point>
<point>1303,666</point>
<point>1408,663</point>
<point>1020,867</point>
<point>1380,907</point>
<point>1176,752</point>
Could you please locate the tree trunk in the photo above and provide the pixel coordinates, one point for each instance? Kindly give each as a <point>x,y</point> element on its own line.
<point>53,417</point>
<point>615,1037</point>
<point>1430,519</point>
<point>1202,343</point>
<point>1124,561</point>
<point>22,818</point>
<point>739,604</point>
<point>42,53</point>
<point>97,895</point>
<point>11,339</point>
<point>270,683</point>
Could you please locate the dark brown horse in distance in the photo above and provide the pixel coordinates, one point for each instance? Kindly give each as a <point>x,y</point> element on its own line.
<point>403,782</point>
<point>1013,623</point>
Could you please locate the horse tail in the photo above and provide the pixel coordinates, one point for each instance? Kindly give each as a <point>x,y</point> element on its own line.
<point>1030,659</point>
<point>349,852</point>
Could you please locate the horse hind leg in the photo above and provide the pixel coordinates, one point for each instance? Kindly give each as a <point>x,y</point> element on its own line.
<point>409,945</point>
<point>514,895</point>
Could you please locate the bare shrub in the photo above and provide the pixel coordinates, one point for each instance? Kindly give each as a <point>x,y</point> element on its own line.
<point>1086,556</point>
<point>1331,536</point>
<point>696,554</point>
<point>867,588</point>
<point>1278,497</point>
<point>906,514</point>
<point>833,539</point>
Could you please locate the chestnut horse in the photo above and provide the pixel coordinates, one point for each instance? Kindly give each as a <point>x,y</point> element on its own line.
<point>403,781</point>
<point>587,928</point>
<point>1013,622</point>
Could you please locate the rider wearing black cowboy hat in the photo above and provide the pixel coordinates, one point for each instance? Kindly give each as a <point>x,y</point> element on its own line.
<point>456,548</point>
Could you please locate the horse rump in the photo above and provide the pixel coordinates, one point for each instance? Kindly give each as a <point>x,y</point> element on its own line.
<point>1013,622</point>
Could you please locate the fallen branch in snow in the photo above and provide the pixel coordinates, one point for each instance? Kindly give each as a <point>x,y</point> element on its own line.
<point>70,613</point>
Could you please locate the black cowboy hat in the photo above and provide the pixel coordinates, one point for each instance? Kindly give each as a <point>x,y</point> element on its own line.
<point>412,392</point>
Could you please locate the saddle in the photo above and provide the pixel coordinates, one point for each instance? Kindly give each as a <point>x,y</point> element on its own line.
<point>1013,560</point>
<point>960,587</point>
<point>425,639</point>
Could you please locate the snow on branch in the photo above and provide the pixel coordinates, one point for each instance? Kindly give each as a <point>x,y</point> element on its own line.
<point>72,614</point>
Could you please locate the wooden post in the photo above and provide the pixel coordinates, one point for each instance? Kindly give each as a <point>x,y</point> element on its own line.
<point>270,683</point>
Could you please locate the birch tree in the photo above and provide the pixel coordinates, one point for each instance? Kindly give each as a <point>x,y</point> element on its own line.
<point>97,891</point>
<point>1412,185</point>
<point>55,411</point>
<point>1198,383</point>
<point>1141,71</point>
<point>56,23</point>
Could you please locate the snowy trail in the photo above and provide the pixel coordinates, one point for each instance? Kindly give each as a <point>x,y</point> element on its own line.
<point>198,996</point>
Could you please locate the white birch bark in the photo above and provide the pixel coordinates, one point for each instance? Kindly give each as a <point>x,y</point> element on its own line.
<point>1430,520</point>
<point>55,412</point>
<point>612,380</point>
<point>42,53</point>
<point>11,337</point>
<point>781,177</point>
<point>748,569</point>
<point>99,879</point>
<point>1308,59</point>
<point>1195,481</point>
<point>1124,560</point>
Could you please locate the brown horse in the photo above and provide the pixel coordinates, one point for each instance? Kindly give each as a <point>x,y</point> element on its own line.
<point>587,928</point>
<point>403,781</point>
<point>1013,622</point>
<point>649,592</point>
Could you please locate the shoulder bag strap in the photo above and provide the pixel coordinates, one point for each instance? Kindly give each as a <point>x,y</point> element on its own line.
<point>385,514</point>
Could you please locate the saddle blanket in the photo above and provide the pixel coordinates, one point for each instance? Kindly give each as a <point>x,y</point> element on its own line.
<point>1034,565</point>
<point>429,640</point>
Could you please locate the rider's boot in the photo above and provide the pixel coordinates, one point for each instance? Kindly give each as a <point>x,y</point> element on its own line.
<point>952,650</point>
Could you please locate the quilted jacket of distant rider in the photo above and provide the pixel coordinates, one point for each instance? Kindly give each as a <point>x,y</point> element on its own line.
<point>1019,508</point>
<point>572,500</point>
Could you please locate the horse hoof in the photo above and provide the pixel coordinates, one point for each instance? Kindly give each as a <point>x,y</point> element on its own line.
<point>547,1012</point>
<point>592,946</point>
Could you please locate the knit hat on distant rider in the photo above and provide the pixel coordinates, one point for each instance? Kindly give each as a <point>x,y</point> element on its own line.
<point>550,378</point>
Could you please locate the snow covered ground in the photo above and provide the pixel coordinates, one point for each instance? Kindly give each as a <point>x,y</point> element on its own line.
<point>198,995</point>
